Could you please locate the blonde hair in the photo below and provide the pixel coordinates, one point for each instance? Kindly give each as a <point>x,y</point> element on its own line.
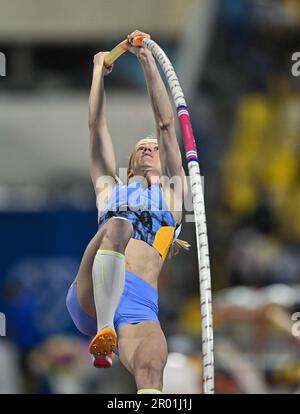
<point>178,244</point>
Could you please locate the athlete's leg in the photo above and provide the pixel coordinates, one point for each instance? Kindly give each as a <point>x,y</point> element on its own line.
<point>113,235</point>
<point>84,277</point>
<point>143,351</point>
<point>108,275</point>
<point>100,282</point>
<point>85,292</point>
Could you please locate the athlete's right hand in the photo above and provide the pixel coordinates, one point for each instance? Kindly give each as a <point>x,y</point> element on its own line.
<point>99,63</point>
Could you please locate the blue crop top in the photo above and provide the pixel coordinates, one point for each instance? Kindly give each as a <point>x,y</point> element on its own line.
<point>148,212</point>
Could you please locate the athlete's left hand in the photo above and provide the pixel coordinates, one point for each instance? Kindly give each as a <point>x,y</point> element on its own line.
<point>99,63</point>
<point>137,50</point>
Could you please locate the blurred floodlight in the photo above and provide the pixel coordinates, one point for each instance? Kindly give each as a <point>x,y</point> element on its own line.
<point>181,375</point>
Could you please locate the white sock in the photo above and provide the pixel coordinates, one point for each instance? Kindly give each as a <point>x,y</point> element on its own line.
<point>149,391</point>
<point>108,282</point>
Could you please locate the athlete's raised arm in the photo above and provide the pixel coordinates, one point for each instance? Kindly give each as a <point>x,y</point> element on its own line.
<point>102,156</point>
<point>169,151</point>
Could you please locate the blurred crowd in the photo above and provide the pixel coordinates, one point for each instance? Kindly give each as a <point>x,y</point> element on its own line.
<point>253,212</point>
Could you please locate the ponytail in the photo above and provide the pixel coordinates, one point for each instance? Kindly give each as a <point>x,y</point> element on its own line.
<point>177,246</point>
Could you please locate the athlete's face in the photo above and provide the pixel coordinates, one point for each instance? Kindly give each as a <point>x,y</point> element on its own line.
<point>146,157</point>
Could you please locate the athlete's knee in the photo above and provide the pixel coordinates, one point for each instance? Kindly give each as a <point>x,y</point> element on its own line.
<point>117,234</point>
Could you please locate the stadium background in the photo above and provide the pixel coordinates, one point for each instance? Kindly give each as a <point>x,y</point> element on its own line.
<point>233,58</point>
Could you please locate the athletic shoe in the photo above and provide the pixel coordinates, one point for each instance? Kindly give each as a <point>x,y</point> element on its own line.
<point>104,343</point>
<point>103,361</point>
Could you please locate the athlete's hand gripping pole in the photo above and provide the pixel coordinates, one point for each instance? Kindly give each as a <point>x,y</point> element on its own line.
<point>121,48</point>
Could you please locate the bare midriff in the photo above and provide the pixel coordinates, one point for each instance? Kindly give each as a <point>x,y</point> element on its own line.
<point>143,260</point>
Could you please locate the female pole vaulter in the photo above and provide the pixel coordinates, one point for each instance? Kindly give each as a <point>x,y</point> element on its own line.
<point>114,297</point>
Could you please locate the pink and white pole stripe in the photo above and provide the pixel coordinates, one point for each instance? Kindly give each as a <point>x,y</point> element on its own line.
<point>199,211</point>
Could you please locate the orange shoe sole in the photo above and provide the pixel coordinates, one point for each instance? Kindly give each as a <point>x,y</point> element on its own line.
<point>105,342</point>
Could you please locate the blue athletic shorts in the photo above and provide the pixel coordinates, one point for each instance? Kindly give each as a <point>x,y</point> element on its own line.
<point>138,303</point>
